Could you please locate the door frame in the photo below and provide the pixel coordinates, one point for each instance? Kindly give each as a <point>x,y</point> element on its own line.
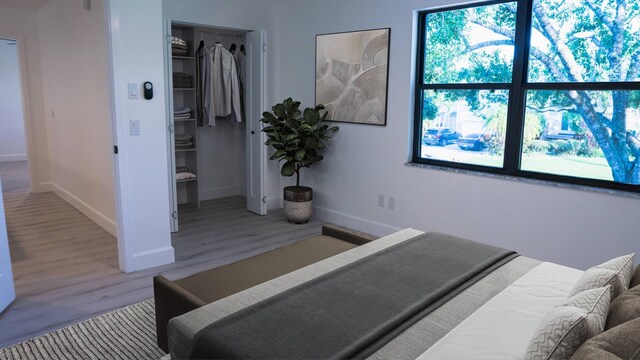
<point>27,120</point>
<point>171,156</point>
<point>167,23</point>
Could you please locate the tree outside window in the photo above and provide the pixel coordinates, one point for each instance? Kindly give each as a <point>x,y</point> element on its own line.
<point>569,111</point>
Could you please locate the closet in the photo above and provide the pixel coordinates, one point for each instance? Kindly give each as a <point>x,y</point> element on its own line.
<point>214,157</point>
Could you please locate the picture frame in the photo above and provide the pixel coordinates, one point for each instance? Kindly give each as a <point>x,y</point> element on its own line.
<point>352,75</point>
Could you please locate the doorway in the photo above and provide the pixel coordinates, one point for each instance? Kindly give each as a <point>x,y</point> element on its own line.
<point>13,140</point>
<point>213,157</point>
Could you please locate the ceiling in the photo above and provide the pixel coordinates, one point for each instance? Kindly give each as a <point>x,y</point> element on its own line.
<point>25,4</point>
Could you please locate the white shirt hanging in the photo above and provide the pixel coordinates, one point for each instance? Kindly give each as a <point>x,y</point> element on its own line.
<point>223,98</point>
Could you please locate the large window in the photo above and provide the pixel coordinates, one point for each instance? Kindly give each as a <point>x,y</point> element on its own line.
<point>546,89</point>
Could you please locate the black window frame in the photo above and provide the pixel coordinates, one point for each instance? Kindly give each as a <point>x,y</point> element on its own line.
<point>516,109</point>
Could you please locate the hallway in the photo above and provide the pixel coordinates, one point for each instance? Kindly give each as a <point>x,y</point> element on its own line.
<point>66,267</point>
<point>57,254</point>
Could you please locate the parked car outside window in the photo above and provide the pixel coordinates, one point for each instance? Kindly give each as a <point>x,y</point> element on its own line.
<point>475,142</point>
<point>441,137</point>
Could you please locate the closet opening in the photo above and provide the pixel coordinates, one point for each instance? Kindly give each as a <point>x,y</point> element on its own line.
<point>215,91</point>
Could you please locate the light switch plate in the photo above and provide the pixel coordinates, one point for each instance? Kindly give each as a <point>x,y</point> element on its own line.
<point>135,127</point>
<point>134,91</point>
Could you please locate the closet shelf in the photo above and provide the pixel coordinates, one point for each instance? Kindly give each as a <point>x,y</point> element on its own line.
<point>183,57</point>
<point>184,89</point>
<point>186,180</point>
<point>186,150</point>
<point>183,120</point>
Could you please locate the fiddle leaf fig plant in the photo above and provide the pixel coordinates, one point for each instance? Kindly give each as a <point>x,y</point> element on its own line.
<point>297,136</point>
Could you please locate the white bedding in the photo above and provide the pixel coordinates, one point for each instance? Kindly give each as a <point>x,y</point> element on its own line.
<point>502,328</point>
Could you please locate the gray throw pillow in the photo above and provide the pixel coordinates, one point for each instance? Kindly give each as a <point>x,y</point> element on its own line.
<point>619,343</point>
<point>625,307</point>
<point>635,280</point>
<point>565,328</point>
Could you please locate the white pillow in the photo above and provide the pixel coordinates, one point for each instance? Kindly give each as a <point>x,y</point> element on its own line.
<point>595,278</point>
<point>616,272</point>
<point>623,266</point>
<point>567,326</point>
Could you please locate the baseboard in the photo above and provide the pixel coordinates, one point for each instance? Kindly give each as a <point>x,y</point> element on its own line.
<point>42,187</point>
<point>221,192</point>
<point>13,157</point>
<point>274,203</point>
<point>153,258</point>
<point>353,222</point>
<point>103,221</point>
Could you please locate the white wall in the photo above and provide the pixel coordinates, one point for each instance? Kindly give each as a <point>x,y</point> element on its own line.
<point>570,227</point>
<point>73,43</point>
<point>243,15</point>
<point>137,52</point>
<point>21,24</point>
<point>12,142</point>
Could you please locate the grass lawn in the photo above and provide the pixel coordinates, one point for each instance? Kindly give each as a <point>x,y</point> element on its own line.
<point>592,168</point>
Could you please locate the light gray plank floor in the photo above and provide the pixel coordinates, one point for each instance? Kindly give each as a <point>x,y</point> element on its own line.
<point>66,267</point>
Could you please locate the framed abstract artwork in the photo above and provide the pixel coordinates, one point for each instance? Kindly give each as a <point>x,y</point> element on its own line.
<point>352,73</point>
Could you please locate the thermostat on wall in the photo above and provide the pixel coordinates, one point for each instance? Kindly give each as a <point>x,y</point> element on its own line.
<point>148,90</point>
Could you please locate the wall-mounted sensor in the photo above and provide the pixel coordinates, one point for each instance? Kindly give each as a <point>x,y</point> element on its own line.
<point>148,90</point>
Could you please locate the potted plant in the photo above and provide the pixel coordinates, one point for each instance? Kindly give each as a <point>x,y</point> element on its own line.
<point>298,138</point>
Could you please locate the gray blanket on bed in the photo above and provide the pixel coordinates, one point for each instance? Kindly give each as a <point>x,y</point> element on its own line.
<point>354,310</point>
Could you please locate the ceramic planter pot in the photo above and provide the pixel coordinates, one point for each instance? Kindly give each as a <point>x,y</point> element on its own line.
<point>298,204</point>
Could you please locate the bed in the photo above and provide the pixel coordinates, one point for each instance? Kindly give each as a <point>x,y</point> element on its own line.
<point>494,316</point>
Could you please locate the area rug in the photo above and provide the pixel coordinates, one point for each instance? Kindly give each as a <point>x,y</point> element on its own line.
<point>125,334</point>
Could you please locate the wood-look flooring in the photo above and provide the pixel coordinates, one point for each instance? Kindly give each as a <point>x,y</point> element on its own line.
<point>66,267</point>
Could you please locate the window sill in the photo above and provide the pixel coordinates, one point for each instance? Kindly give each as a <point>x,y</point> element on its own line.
<point>612,192</point>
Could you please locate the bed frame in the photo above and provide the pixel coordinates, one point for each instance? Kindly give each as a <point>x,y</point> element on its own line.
<point>177,297</point>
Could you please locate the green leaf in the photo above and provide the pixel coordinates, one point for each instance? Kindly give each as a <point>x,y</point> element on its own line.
<point>310,143</point>
<point>280,111</point>
<point>288,169</point>
<point>278,154</point>
<point>268,116</point>
<point>295,114</point>
<point>300,155</point>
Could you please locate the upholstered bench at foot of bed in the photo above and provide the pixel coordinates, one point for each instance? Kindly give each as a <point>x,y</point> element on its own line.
<point>174,298</point>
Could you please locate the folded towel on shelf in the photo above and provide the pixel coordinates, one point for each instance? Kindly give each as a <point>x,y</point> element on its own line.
<point>181,176</point>
<point>177,41</point>
<point>183,137</point>
<point>182,110</point>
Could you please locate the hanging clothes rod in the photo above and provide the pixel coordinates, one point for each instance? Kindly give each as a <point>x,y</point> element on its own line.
<point>227,33</point>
